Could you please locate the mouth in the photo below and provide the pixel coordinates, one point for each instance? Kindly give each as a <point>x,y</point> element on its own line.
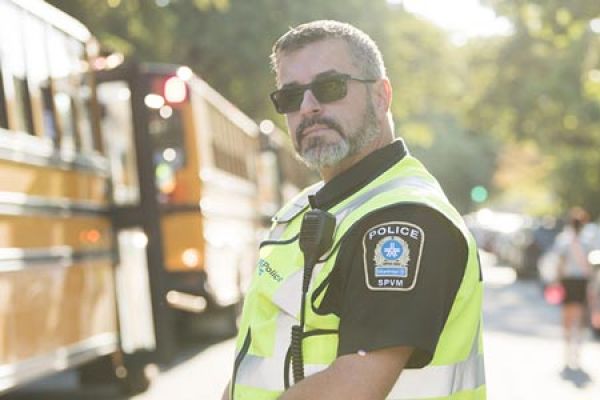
<point>315,129</point>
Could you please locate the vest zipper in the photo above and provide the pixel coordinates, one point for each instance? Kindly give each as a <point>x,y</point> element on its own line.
<point>238,360</point>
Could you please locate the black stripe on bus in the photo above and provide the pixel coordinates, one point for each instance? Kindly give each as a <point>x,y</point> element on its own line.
<point>3,102</point>
<point>179,208</point>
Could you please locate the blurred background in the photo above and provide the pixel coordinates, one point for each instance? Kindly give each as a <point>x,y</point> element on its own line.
<point>512,90</point>
<point>141,160</point>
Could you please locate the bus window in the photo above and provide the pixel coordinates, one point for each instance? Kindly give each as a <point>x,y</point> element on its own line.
<point>3,110</point>
<point>115,104</point>
<point>165,125</point>
<point>60,70</point>
<point>38,78</point>
<point>81,95</point>
<point>14,72</point>
<point>3,116</point>
<point>233,149</point>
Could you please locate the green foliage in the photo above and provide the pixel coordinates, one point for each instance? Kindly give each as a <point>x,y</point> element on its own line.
<point>547,89</point>
<point>456,107</point>
<point>459,160</point>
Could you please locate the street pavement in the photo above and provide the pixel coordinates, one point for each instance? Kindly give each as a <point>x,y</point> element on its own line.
<point>523,344</point>
<point>523,350</point>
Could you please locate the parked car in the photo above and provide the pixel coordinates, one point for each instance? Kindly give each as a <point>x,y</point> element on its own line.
<point>534,241</point>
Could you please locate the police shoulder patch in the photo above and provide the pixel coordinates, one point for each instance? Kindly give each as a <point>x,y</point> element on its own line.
<point>392,254</point>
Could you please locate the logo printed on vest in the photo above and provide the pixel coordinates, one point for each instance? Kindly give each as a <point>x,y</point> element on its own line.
<point>264,266</point>
<point>392,256</point>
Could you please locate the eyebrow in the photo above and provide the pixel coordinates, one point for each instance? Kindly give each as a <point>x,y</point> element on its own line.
<point>324,74</point>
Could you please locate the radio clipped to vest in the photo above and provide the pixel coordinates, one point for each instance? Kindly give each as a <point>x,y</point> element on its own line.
<point>316,237</point>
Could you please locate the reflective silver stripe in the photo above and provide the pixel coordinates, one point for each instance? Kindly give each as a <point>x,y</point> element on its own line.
<point>277,232</point>
<point>428,382</point>
<point>288,294</point>
<point>442,380</point>
<point>267,372</point>
<point>415,182</point>
<point>424,383</point>
<point>288,213</point>
<point>439,380</point>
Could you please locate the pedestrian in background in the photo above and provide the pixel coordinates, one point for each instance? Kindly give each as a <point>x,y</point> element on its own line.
<point>574,272</point>
<point>392,308</point>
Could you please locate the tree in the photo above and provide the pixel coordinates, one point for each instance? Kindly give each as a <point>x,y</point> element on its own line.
<point>547,90</point>
<point>228,44</point>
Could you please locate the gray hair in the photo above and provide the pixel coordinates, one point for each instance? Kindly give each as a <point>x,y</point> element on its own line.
<point>364,52</point>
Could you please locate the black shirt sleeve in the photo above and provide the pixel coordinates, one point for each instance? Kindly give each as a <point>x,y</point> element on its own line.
<point>395,279</point>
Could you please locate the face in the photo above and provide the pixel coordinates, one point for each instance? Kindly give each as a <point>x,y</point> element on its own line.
<point>326,134</point>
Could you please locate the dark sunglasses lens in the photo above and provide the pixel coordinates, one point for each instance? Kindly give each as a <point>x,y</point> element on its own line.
<point>326,90</point>
<point>329,90</point>
<point>287,100</point>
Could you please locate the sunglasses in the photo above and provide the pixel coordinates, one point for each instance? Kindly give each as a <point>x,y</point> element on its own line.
<point>325,90</point>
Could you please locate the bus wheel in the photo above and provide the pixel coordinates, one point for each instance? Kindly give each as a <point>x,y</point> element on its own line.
<point>130,376</point>
<point>132,379</point>
<point>97,372</point>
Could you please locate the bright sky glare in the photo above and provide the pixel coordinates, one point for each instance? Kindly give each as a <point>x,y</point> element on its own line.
<point>463,19</point>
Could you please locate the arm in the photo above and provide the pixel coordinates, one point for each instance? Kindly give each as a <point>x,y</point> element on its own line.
<point>407,340</point>
<point>357,377</point>
<point>560,268</point>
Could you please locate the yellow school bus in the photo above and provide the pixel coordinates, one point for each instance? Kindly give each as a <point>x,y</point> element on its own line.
<point>63,282</point>
<point>193,155</point>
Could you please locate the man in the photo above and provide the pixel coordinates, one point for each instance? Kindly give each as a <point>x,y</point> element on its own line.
<point>393,305</point>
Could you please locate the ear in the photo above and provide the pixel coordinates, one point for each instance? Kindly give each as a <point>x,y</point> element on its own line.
<point>382,96</point>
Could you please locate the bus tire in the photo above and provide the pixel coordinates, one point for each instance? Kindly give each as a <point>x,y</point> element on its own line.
<point>97,372</point>
<point>133,379</point>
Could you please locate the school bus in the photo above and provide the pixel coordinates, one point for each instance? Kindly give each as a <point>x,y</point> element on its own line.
<point>193,156</point>
<point>131,202</point>
<point>69,281</point>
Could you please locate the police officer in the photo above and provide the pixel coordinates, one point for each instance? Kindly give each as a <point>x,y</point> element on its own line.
<point>392,308</point>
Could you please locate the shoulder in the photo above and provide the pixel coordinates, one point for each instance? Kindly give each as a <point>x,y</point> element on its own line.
<point>412,220</point>
<point>398,241</point>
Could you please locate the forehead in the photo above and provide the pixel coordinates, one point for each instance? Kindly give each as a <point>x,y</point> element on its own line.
<point>302,65</point>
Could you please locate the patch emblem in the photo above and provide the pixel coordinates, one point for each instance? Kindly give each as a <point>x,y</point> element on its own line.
<point>392,254</point>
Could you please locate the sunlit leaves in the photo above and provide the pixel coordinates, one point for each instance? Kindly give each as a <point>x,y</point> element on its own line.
<point>548,82</point>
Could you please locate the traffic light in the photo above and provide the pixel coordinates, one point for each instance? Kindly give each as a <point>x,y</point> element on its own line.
<point>479,194</point>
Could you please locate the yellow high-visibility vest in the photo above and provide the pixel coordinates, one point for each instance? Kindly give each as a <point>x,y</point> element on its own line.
<point>272,305</point>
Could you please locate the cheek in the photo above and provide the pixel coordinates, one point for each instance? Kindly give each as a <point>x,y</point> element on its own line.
<point>292,124</point>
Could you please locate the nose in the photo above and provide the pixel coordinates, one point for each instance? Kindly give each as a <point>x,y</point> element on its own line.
<point>310,104</point>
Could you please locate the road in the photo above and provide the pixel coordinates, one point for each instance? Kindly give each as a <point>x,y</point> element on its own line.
<point>523,344</point>
<point>523,351</point>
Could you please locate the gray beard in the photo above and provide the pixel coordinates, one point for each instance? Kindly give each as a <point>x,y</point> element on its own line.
<point>317,153</point>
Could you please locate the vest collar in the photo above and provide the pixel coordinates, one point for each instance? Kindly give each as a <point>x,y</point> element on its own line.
<point>359,175</point>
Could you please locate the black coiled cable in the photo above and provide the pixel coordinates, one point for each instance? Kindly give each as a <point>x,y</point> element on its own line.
<point>316,237</point>
<point>296,352</point>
